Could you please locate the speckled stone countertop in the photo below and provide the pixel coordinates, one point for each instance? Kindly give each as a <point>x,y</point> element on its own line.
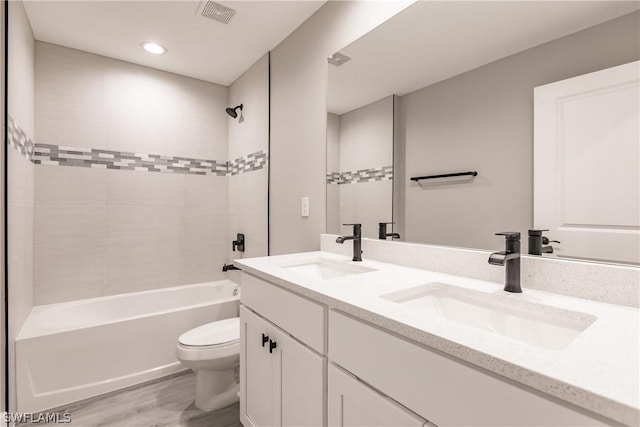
<point>598,371</point>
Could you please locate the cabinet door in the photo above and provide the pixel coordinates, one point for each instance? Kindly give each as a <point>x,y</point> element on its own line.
<point>300,384</point>
<point>352,403</point>
<point>256,373</point>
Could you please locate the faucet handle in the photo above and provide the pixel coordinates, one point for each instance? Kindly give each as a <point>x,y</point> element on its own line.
<point>510,235</point>
<point>351,224</point>
<point>534,233</point>
<point>385,223</point>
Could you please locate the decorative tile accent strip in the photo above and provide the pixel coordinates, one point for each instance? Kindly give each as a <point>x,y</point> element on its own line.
<point>384,173</point>
<point>18,139</point>
<point>60,155</point>
<point>252,162</point>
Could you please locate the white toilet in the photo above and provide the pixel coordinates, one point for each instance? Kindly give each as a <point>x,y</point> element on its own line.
<point>213,352</point>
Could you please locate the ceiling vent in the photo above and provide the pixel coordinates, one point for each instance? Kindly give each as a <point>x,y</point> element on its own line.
<point>216,11</point>
<point>338,59</point>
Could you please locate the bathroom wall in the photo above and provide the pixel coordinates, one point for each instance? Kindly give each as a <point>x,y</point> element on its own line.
<point>131,177</point>
<point>248,180</point>
<point>299,77</point>
<point>365,167</point>
<point>482,120</point>
<point>20,172</point>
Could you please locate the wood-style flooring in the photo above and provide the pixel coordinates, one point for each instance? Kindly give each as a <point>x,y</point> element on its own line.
<point>165,403</point>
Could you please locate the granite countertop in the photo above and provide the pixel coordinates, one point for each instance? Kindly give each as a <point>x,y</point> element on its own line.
<point>598,370</point>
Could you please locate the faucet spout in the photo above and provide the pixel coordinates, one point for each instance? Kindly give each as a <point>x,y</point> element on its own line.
<point>357,241</point>
<point>510,259</point>
<point>499,258</point>
<point>343,239</point>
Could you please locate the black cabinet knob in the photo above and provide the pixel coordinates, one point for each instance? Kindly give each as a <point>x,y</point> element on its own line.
<point>272,345</point>
<point>265,338</point>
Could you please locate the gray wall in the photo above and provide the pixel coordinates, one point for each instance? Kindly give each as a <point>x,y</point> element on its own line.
<point>20,182</point>
<point>483,120</point>
<point>299,117</point>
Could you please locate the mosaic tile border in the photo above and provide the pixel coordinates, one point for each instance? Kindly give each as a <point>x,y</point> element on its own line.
<point>18,139</point>
<point>252,162</point>
<point>384,173</point>
<point>60,155</point>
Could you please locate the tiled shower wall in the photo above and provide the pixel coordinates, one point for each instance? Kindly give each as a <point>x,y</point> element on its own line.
<point>360,168</point>
<point>20,62</point>
<point>131,185</point>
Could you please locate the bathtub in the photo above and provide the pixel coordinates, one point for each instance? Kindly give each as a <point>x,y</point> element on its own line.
<point>71,351</point>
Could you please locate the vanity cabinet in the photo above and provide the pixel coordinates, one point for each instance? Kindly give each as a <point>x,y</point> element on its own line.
<point>443,390</point>
<point>352,403</point>
<point>282,379</point>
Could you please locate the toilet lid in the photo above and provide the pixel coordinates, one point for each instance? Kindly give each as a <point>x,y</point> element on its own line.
<point>215,333</point>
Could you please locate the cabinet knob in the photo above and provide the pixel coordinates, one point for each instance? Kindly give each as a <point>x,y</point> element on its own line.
<point>265,338</point>
<point>272,345</point>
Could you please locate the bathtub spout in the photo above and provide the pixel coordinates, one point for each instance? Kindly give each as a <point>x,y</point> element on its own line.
<point>228,267</point>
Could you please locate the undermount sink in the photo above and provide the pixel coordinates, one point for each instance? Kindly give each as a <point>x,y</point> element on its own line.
<point>326,269</point>
<point>540,325</point>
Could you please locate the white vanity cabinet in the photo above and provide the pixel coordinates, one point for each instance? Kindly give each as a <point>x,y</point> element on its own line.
<point>441,389</point>
<point>283,381</point>
<point>351,403</point>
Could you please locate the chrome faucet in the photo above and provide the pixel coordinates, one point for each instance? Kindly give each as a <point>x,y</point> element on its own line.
<point>357,241</point>
<point>510,259</point>
<point>382,231</point>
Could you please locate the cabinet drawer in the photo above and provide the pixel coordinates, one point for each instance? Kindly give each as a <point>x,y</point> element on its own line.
<point>438,388</point>
<point>302,318</point>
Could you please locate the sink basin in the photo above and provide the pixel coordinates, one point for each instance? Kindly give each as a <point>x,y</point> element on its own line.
<point>543,326</point>
<point>326,269</point>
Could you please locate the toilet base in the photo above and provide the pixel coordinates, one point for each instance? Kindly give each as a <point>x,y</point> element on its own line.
<point>216,389</point>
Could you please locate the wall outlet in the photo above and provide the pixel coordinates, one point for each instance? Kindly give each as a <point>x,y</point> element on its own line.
<point>304,206</point>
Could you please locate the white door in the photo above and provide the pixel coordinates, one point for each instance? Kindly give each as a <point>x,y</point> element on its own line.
<point>353,404</point>
<point>299,397</point>
<point>256,372</point>
<point>587,164</point>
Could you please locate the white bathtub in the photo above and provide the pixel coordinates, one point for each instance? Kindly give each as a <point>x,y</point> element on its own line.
<point>71,351</point>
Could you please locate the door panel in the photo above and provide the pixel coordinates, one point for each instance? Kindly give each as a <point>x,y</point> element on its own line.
<point>587,164</point>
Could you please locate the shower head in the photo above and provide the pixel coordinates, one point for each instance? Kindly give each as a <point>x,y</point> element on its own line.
<point>232,111</point>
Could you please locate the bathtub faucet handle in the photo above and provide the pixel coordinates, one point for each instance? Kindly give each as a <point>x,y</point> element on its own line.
<point>265,338</point>
<point>238,243</point>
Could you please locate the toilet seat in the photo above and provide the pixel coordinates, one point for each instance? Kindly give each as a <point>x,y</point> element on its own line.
<point>222,333</point>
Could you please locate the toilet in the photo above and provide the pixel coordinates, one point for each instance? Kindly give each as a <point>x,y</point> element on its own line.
<point>212,351</point>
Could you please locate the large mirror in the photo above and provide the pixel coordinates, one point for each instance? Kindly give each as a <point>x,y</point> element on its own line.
<point>539,129</point>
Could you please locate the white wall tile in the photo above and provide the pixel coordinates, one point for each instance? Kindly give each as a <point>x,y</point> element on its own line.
<point>56,185</point>
<point>132,223</point>
<point>69,78</point>
<point>19,178</point>
<point>69,223</point>
<point>143,264</point>
<point>69,265</point>
<point>203,260</point>
<point>206,191</point>
<point>144,188</point>
<point>20,232</point>
<point>59,125</point>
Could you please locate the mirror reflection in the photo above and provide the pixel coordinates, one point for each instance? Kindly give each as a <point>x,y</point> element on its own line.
<point>548,118</point>
<point>360,166</point>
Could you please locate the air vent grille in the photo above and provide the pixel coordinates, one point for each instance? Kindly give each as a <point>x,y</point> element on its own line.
<point>216,11</point>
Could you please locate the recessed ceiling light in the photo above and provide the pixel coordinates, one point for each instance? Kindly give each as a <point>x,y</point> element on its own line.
<point>155,48</point>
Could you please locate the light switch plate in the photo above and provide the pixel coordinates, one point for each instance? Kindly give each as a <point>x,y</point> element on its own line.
<point>304,206</point>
